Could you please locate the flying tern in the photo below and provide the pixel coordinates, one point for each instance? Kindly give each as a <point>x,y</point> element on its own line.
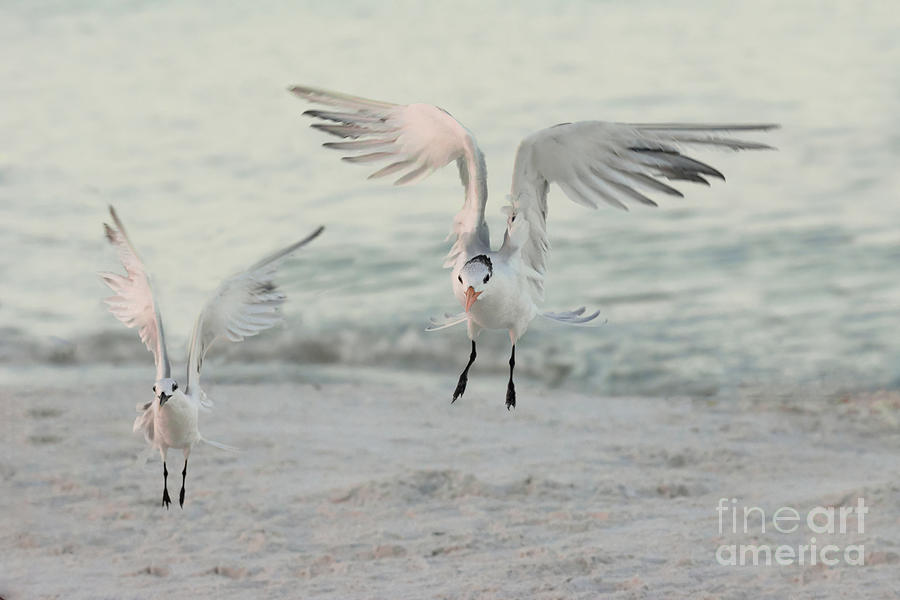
<point>242,306</point>
<point>591,161</point>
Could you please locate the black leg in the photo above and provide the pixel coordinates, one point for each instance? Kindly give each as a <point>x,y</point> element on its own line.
<point>464,376</point>
<point>166,500</point>
<point>181,494</point>
<point>511,388</point>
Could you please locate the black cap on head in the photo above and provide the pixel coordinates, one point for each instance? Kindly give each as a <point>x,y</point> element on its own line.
<point>483,259</point>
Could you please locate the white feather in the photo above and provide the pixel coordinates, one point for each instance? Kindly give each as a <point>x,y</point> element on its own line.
<point>133,303</point>
<point>448,320</point>
<point>415,139</point>
<point>242,306</point>
<point>614,163</point>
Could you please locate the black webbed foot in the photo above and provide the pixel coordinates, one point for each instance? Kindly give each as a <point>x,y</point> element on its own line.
<point>464,376</point>
<point>460,386</point>
<point>166,500</point>
<point>510,396</point>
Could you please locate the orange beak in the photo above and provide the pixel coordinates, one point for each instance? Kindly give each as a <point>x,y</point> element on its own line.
<point>471,297</point>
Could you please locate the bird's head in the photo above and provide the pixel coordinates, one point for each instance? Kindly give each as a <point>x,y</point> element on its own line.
<point>164,389</point>
<point>475,278</point>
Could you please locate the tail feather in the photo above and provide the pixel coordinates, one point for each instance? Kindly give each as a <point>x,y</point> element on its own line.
<point>448,320</point>
<point>203,401</point>
<point>144,422</point>
<point>220,445</point>
<point>572,317</point>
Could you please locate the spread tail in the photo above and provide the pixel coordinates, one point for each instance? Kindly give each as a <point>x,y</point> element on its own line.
<point>448,320</point>
<point>220,445</point>
<point>572,317</point>
<point>144,422</point>
<point>204,403</point>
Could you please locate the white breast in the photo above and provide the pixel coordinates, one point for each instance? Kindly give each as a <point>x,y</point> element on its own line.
<point>176,422</point>
<point>505,303</point>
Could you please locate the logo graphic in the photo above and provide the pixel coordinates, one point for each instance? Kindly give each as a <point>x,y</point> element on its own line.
<point>754,522</point>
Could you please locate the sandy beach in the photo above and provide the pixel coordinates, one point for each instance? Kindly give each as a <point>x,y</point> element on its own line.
<point>745,328</point>
<point>376,489</point>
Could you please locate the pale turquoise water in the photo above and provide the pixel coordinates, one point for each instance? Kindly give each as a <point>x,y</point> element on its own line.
<point>177,114</point>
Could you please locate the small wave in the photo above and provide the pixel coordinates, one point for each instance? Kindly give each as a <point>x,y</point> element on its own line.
<point>614,360</point>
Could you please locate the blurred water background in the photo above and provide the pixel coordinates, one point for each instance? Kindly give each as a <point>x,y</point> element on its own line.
<point>177,113</point>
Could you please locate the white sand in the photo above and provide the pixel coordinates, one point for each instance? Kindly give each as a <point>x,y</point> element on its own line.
<point>374,491</point>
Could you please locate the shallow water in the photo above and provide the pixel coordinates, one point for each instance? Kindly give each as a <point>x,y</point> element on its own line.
<point>178,115</point>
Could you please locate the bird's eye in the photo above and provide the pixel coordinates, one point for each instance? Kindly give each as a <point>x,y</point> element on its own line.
<point>174,386</point>
<point>154,388</point>
<point>486,277</point>
<point>459,277</point>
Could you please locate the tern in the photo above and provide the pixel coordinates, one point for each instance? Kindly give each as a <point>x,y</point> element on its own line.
<point>242,306</point>
<point>591,161</point>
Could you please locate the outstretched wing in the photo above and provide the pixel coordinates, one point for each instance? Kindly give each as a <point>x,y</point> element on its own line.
<point>133,302</point>
<point>416,139</point>
<point>595,161</point>
<point>241,307</point>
